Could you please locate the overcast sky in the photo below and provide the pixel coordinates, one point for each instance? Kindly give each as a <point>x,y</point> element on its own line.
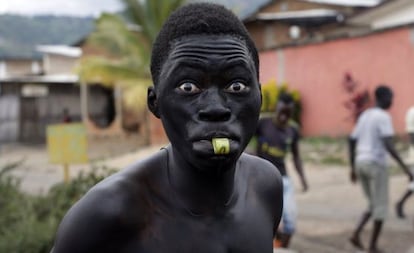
<point>59,7</point>
<point>95,7</point>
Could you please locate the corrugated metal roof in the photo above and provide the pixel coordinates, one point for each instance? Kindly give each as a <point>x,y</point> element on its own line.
<point>313,13</point>
<point>60,50</point>
<point>52,79</point>
<point>357,3</point>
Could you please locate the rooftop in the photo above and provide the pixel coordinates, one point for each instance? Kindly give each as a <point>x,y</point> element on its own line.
<point>60,50</point>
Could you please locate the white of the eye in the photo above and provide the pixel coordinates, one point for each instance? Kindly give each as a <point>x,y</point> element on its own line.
<point>237,86</point>
<point>188,87</point>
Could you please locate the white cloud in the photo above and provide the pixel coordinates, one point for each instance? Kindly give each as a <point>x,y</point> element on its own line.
<point>59,7</point>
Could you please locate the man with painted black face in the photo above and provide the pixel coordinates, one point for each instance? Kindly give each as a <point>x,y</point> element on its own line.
<point>201,193</point>
<point>369,143</point>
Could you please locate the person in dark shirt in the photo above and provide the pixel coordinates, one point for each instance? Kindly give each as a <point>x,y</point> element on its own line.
<point>276,136</point>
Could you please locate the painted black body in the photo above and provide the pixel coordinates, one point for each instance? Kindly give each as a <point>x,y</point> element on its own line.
<point>185,198</point>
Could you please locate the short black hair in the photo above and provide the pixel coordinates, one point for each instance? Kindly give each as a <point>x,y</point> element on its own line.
<point>196,19</point>
<point>285,98</point>
<point>383,92</point>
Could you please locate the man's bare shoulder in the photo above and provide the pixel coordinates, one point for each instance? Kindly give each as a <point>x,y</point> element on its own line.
<point>266,179</point>
<point>130,182</point>
<point>263,174</point>
<point>260,167</point>
<point>116,204</point>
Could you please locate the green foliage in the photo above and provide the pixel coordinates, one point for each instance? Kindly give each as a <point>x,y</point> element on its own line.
<point>28,223</point>
<point>127,45</point>
<point>270,94</point>
<point>150,15</point>
<point>324,150</point>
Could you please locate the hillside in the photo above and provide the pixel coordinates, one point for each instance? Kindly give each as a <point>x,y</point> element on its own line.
<point>20,34</point>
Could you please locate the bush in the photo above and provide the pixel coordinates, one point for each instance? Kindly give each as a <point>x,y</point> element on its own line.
<point>270,94</point>
<point>28,223</point>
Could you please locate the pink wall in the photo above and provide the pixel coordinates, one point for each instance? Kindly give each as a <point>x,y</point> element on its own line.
<point>318,70</point>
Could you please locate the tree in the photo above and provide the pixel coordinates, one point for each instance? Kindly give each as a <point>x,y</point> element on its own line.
<point>126,41</point>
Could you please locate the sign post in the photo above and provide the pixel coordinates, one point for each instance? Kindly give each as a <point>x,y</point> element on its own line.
<point>67,144</point>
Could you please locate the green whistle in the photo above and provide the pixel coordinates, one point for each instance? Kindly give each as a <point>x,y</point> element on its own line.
<point>221,146</point>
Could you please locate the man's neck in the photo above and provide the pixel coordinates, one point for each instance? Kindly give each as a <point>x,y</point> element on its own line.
<point>201,190</point>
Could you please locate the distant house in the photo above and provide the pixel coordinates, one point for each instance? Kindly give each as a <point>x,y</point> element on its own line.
<point>388,15</point>
<point>312,46</point>
<point>296,22</point>
<point>35,92</point>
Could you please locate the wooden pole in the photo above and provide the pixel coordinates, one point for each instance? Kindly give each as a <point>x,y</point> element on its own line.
<point>66,176</point>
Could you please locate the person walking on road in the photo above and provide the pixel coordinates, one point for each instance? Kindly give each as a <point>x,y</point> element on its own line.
<point>369,143</point>
<point>276,136</point>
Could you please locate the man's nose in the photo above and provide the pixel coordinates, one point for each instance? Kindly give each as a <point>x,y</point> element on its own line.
<point>214,109</point>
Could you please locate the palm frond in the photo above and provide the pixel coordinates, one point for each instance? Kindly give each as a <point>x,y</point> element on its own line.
<point>109,73</point>
<point>127,50</point>
<point>135,92</point>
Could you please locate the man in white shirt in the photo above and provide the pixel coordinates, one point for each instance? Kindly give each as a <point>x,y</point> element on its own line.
<point>369,143</point>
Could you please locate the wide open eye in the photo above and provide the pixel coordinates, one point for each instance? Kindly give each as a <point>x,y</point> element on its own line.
<point>188,87</point>
<point>237,87</point>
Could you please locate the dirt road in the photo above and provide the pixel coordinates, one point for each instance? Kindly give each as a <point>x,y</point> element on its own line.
<point>327,212</point>
<point>332,207</point>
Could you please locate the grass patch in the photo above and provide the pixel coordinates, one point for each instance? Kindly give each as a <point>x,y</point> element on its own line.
<point>324,150</point>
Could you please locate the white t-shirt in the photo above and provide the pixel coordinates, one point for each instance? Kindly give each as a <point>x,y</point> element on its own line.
<point>409,120</point>
<point>373,125</point>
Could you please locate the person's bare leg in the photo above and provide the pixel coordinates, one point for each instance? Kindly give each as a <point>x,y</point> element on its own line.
<point>284,240</point>
<point>276,240</point>
<point>375,235</point>
<point>355,238</point>
<point>399,207</point>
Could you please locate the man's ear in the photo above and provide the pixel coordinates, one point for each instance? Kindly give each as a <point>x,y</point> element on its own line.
<point>260,90</point>
<point>152,102</point>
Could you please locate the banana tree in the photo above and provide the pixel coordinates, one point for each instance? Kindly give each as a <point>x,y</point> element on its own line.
<point>125,43</point>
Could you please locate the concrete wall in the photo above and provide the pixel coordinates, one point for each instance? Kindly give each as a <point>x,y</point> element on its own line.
<point>318,70</point>
<point>57,64</point>
<point>19,67</point>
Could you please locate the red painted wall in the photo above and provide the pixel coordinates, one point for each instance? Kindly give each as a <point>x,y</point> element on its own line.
<point>318,70</point>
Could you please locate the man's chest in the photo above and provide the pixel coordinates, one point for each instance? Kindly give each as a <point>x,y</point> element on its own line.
<point>240,230</point>
<point>274,141</point>
<point>278,137</point>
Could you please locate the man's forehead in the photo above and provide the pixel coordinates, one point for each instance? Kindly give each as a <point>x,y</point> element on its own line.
<point>204,46</point>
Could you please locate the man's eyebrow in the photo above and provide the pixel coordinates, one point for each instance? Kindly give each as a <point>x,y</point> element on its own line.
<point>202,63</point>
